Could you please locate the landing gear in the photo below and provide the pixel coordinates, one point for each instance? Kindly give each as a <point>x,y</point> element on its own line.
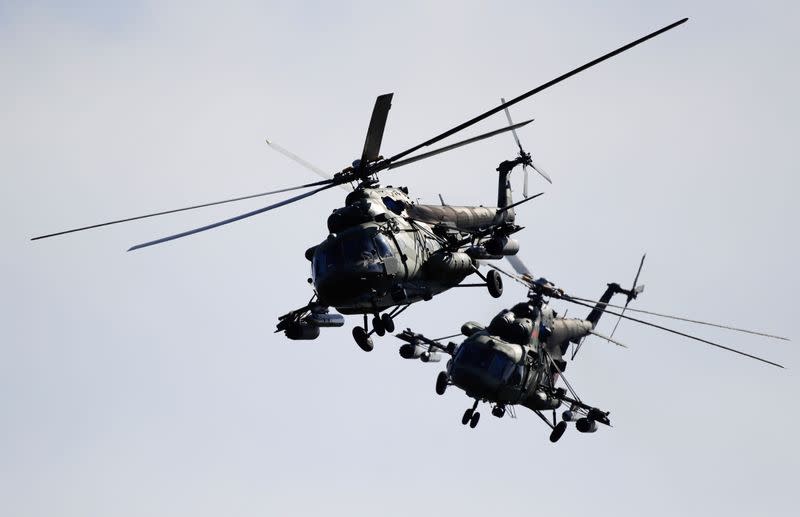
<point>362,339</point>
<point>377,325</point>
<point>441,383</point>
<point>388,322</point>
<point>474,420</point>
<point>471,416</point>
<point>499,411</point>
<point>494,282</point>
<point>558,430</point>
<point>467,416</point>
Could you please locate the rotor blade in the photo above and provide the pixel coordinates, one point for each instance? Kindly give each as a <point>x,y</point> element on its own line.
<point>313,168</point>
<point>372,144</point>
<point>541,172</point>
<point>723,347</point>
<point>525,180</point>
<point>308,165</point>
<point>450,147</point>
<point>519,266</point>
<point>607,338</point>
<point>688,320</point>
<point>448,337</point>
<point>638,271</point>
<point>510,123</point>
<point>534,91</point>
<point>620,318</point>
<point>519,279</point>
<point>165,212</point>
<point>232,219</point>
<point>512,205</point>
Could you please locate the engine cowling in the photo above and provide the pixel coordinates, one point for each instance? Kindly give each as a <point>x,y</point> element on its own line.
<point>502,246</point>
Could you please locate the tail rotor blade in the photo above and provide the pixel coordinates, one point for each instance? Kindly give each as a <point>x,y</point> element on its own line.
<point>525,181</point>
<point>635,290</point>
<point>541,172</point>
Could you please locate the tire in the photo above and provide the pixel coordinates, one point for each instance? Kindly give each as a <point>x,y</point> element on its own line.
<point>441,383</point>
<point>467,416</point>
<point>494,282</point>
<point>388,323</point>
<point>362,339</point>
<point>377,324</point>
<point>499,411</point>
<point>474,420</point>
<point>558,430</point>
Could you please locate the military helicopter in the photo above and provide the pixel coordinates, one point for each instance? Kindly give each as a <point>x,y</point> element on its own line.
<point>383,251</point>
<point>520,356</point>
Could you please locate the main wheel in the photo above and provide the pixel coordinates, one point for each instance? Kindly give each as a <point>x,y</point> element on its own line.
<point>467,416</point>
<point>388,322</point>
<point>494,282</point>
<point>474,420</point>
<point>558,430</point>
<point>377,324</point>
<point>441,383</point>
<point>362,339</point>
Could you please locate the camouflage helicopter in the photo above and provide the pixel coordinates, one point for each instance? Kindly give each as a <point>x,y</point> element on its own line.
<point>385,252</point>
<point>520,356</point>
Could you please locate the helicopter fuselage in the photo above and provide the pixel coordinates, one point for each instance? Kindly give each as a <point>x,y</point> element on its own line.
<point>377,256</point>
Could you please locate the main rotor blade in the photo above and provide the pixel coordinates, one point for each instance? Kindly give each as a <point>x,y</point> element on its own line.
<point>534,91</point>
<point>688,320</point>
<point>308,165</point>
<point>232,219</point>
<point>516,278</point>
<point>519,266</point>
<point>450,147</point>
<point>723,347</point>
<point>165,212</point>
<point>510,123</point>
<point>313,168</point>
<point>448,337</point>
<point>372,144</point>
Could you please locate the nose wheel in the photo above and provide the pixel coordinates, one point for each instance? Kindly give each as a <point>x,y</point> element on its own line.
<point>362,339</point>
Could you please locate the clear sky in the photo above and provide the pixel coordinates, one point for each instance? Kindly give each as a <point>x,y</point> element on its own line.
<point>151,383</point>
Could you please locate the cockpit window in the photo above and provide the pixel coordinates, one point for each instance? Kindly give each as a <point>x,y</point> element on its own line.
<point>496,364</point>
<point>358,250</point>
<point>383,246</point>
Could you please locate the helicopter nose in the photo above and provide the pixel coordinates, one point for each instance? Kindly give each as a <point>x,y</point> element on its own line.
<point>338,288</point>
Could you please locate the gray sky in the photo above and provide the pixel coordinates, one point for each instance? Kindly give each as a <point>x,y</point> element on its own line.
<point>150,383</point>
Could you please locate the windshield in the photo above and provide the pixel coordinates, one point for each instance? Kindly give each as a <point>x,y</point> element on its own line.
<point>496,364</point>
<point>356,250</point>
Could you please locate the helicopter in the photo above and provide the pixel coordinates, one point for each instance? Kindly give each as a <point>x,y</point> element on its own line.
<point>385,252</point>
<point>519,358</point>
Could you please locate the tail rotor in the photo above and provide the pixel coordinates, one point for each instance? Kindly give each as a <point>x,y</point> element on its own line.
<point>631,294</point>
<point>524,158</point>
